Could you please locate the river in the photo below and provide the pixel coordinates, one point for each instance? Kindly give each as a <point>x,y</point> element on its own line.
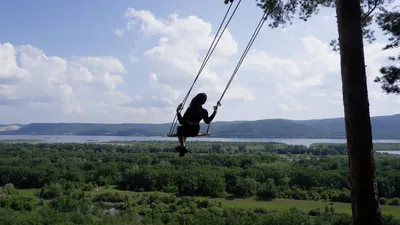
<point>99,139</point>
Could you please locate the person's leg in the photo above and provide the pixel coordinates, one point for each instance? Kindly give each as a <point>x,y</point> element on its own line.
<point>181,140</point>
<point>192,131</point>
<point>184,144</point>
<point>182,147</point>
<point>180,131</point>
<point>184,141</point>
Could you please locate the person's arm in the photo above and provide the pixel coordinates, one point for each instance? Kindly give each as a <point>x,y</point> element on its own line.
<point>207,119</point>
<point>178,114</point>
<point>180,119</point>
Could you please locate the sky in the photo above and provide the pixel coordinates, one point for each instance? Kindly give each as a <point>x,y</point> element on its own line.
<point>133,61</point>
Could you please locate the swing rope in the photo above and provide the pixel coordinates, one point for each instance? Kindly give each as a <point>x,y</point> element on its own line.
<point>252,39</point>
<point>244,54</point>
<point>207,57</point>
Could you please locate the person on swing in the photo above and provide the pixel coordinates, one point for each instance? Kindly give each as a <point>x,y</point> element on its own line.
<point>190,122</point>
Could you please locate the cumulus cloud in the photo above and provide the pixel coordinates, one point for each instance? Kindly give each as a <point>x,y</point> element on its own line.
<point>309,82</point>
<point>10,72</point>
<point>300,79</point>
<point>182,45</point>
<point>79,86</point>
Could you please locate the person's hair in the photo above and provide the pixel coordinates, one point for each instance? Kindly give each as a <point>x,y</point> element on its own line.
<point>198,101</point>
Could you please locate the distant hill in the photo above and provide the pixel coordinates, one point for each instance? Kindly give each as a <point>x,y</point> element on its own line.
<point>383,127</point>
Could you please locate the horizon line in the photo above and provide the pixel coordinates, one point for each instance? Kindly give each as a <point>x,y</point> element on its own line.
<point>329,118</point>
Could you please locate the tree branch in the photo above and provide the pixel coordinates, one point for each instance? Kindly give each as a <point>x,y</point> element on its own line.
<point>370,10</point>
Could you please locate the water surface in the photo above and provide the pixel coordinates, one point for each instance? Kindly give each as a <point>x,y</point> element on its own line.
<point>98,139</point>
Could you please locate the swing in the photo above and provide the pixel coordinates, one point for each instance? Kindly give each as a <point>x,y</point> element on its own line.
<point>201,134</point>
<point>250,43</point>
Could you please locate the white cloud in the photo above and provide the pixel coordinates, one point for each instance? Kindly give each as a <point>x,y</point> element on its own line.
<point>153,76</point>
<point>10,73</point>
<point>284,107</point>
<point>68,99</point>
<point>308,82</point>
<point>182,44</point>
<point>119,32</point>
<point>261,61</point>
<point>73,88</point>
<point>294,75</point>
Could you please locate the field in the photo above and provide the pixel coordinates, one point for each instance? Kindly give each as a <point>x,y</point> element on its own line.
<point>247,203</point>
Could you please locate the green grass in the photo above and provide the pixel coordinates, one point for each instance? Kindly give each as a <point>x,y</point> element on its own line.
<point>277,204</point>
<point>111,188</point>
<point>285,204</point>
<point>29,192</point>
<point>247,203</point>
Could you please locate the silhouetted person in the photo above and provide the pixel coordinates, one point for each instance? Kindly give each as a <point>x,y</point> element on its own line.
<point>190,122</point>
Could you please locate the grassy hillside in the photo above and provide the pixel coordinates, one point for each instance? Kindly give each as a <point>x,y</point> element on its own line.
<point>383,127</point>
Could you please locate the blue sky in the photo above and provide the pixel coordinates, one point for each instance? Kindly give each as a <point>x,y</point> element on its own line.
<point>63,62</point>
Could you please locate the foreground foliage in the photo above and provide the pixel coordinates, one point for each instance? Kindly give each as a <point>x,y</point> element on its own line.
<point>66,175</point>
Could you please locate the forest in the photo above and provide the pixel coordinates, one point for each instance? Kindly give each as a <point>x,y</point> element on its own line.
<point>216,183</point>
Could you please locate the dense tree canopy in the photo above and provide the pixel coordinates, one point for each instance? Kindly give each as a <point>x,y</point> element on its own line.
<point>58,183</point>
<point>256,170</point>
<point>389,22</point>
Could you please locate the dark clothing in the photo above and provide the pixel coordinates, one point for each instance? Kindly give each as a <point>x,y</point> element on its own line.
<point>193,115</point>
<point>190,122</point>
<point>188,130</point>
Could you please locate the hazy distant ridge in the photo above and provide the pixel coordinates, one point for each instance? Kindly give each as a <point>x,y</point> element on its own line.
<point>383,127</point>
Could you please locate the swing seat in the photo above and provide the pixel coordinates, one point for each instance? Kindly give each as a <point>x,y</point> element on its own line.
<point>201,134</point>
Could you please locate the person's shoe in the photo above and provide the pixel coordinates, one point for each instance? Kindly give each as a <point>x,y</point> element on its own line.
<point>178,148</point>
<point>182,151</point>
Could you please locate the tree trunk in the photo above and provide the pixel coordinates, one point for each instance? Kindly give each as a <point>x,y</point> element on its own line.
<point>364,192</point>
